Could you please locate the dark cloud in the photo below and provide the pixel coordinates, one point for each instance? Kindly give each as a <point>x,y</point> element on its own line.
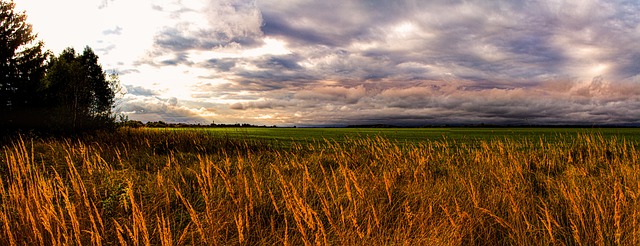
<point>172,101</point>
<point>237,106</point>
<point>124,71</point>
<point>140,91</point>
<point>598,102</point>
<point>180,58</point>
<point>251,105</point>
<point>105,50</point>
<point>272,79</point>
<point>414,62</point>
<point>257,82</point>
<point>173,39</point>
<point>288,63</point>
<point>628,66</point>
<point>176,39</point>
<point>277,26</point>
<point>220,64</point>
<point>115,31</point>
<point>332,94</point>
<point>536,50</point>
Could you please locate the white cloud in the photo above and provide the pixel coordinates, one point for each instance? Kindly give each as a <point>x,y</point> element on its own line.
<point>326,62</point>
<point>234,17</point>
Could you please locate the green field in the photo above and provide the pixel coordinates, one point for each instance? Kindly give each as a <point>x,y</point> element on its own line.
<point>402,136</point>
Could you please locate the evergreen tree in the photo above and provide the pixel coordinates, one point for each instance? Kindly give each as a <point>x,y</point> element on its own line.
<point>22,67</point>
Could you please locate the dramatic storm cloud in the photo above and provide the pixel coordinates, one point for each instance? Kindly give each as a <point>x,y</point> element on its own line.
<point>296,62</point>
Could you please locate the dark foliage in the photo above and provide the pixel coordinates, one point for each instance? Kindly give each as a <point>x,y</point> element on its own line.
<point>68,94</point>
<point>22,68</point>
<point>79,95</point>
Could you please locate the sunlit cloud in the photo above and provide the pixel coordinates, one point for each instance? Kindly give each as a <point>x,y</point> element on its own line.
<point>337,63</point>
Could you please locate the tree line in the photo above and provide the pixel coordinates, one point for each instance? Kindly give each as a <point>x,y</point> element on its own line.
<point>67,93</point>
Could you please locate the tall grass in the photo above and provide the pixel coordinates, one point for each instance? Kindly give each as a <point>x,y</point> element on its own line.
<point>141,187</point>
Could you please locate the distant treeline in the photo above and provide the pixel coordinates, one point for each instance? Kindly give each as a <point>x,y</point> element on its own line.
<point>495,126</point>
<point>162,124</point>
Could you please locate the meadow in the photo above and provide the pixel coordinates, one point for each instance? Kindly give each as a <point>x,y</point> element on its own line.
<point>326,186</point>
<point>284,137</point>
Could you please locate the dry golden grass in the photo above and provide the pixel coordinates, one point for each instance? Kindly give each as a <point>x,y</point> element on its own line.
<point>139,187</point>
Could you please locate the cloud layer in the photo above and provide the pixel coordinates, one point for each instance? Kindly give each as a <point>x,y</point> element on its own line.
<point>298,62</point>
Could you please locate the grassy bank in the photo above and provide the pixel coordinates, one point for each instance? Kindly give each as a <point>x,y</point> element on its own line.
<point>193,187</point>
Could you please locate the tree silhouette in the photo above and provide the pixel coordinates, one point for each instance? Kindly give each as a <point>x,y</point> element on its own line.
<point>70,93</point>
<point>78,92</point>
<point>22,67</point>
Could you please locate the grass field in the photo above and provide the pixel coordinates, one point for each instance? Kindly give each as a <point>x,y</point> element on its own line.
<point>294,186</point>
<point>287,136</point>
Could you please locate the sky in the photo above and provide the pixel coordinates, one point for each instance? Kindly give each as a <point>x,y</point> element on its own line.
<point>336,63</point>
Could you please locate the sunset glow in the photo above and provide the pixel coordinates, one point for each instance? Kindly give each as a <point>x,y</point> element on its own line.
<point>322,63</point>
